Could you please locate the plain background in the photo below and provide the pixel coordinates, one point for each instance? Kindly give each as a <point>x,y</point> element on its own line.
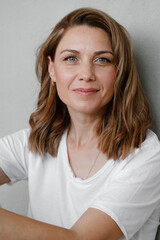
<point>25,24</point>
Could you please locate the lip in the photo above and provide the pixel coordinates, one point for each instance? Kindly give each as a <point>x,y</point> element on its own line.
<point>86,91</point>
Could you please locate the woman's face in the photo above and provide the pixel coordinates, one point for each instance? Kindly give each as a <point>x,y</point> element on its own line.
<point>84,70</point>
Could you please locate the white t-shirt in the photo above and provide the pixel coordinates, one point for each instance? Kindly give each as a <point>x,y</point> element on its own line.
<point>128,190</point>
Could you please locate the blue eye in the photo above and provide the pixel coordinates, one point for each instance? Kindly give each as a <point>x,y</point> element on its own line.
<point>102,60</point>
<point>71,59</point>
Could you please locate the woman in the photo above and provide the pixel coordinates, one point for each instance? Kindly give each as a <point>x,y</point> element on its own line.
<point>91,163</point>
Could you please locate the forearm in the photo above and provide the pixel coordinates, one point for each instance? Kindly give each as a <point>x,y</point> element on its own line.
<point>3,177</point>
<point>16,227</point>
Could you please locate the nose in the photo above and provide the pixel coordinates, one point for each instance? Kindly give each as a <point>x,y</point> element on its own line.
<point>86,72</point>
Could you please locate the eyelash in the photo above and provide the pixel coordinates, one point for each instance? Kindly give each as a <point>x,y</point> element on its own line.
<point>103,60</point>
<point>71,57</point>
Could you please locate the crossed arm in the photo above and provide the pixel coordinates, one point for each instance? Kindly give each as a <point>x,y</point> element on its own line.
<point>92,225</point>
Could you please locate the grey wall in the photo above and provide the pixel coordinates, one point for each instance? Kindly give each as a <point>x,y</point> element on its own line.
<point>24,24</point>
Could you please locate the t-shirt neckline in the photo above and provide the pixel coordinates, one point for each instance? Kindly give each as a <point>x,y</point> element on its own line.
<point>108,163</point>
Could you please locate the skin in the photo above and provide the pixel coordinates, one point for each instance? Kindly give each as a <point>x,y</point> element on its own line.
<point>84,72</point>
<point>84,79</point>
<point>3,178</point>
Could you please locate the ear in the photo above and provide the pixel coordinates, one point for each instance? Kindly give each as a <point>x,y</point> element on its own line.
<point>51,69</point>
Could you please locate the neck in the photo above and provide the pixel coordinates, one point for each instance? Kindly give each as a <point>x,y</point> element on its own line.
<point>83,129</point>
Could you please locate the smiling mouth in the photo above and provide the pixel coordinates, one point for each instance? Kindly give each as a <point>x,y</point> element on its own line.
<point>86,91</point>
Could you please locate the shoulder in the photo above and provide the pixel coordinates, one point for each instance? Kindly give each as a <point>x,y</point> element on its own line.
<point>151,140</point>
<point>149,148</point>
<point>16,139</point>
<point>21,133</point>
<point>145,160</point>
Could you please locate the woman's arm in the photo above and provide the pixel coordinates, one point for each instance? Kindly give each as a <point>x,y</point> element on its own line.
<point>94,225</point>
<point>16,227</point>
<point>3,177</point>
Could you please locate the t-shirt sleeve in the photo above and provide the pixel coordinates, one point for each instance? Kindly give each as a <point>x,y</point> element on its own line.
<point>134,191</point>
<point>13,155</point>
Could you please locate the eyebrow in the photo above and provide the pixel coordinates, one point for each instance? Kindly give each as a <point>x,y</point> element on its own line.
<point>103,52</point>
<point>96,52</point>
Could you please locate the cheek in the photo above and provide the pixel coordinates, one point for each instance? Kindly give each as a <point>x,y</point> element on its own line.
<point>63,76</point>
<point>62,85</point>
<point>109,78</point>
<point>108,86</point>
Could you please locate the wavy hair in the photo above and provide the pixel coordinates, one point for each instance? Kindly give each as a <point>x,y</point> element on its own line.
<point>127,117</point>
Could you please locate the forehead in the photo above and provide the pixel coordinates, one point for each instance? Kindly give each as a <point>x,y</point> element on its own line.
<point>84,36</point>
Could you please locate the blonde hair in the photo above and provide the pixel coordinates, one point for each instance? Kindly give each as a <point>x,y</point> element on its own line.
<point>127,117</point>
